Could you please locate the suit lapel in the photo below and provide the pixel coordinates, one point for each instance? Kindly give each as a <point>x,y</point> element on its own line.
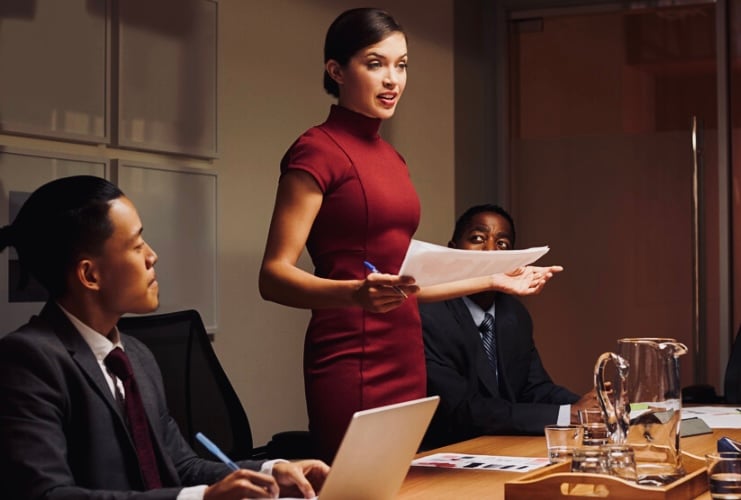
<point>504,326</point>
<point>151,401</point>
<point>149,397</point>
<point>81,354</point>
<point>472,337</point>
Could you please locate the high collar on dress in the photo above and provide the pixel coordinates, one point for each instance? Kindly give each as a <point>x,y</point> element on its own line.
<point>354,123</point>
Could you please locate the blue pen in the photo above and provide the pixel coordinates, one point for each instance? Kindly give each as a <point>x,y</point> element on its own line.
<point>373,269</point>
<point>210,446</point>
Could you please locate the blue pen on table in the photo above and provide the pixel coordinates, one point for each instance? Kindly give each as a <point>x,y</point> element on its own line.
<point>210,446</point>
<point>373,269</point>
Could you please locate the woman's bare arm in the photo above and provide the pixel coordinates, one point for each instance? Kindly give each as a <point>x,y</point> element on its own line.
<point>297,204</point>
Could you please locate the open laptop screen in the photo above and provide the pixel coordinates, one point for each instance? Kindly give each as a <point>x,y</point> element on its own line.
<point>377,450</point>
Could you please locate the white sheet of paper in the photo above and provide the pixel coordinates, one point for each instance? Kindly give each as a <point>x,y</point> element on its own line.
<point>717,417</point>
<point>431,264</point>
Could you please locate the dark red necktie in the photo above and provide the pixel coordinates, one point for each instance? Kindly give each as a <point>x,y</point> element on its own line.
<point>118,363</point>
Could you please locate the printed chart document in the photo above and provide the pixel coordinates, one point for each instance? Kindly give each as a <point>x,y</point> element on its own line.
<point>481,462</point>
<point>431,264</point>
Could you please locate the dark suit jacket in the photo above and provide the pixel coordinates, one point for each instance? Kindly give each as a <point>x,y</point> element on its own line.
<point>471,402</point>
<point>61,432</point>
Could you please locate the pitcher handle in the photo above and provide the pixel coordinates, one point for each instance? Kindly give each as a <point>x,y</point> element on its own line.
<point>616,420</point>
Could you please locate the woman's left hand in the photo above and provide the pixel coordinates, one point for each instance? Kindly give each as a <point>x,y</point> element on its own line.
<point>528,280</point>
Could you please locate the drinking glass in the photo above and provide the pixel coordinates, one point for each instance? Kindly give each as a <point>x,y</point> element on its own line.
<point>589,459</point>
<point>595,430</point>
<point>724,475</point>
<point>561,441</point>
<point>621,461</point>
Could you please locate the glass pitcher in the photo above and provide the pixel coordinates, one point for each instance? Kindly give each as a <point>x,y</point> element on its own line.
<point>646,412</point>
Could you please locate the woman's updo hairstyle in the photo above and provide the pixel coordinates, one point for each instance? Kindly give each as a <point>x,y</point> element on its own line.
<point>58,223</point>
<point>352,31</point>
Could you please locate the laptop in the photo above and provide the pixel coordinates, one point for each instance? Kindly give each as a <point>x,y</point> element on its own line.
<point>377,451</point>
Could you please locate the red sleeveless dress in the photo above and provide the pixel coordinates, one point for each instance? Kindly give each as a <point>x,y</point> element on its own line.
<point>354,359</point>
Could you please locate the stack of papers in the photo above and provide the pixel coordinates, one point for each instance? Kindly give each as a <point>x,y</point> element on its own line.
<point>431,264</point>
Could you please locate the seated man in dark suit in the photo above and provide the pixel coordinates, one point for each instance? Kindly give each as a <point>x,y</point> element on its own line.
<point>74,421</point>
<point>507,392</point>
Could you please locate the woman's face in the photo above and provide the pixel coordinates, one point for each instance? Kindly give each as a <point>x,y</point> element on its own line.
<point>372,81</point>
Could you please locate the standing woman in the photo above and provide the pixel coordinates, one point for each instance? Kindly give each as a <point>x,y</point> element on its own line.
<point>346,195</point>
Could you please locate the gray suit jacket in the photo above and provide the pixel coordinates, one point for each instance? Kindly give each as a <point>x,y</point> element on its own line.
<point>471,401</point>
<point>61,432</point>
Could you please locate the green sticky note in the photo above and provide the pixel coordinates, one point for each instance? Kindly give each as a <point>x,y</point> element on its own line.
<point>638,406</point>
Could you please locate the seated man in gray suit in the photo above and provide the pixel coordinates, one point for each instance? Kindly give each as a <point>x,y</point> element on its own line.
<point>490,380</point>
<point>82,406</point>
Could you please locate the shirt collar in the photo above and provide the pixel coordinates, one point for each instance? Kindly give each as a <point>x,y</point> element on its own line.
<point>100,344</point>
<point>476,312</point>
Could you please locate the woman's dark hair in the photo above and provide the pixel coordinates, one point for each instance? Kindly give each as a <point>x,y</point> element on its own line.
<point>353,30</point>
<point>465,219</point>
<point>58,223</point>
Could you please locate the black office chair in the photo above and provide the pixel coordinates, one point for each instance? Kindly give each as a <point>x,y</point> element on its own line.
<point>705,394</point>
<point>199,394</point>
<point>732,382</point>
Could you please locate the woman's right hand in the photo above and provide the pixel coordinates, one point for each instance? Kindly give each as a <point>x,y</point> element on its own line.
<point>382,293</point>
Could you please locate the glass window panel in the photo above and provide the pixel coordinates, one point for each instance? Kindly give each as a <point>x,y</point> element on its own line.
<point>601,114</point>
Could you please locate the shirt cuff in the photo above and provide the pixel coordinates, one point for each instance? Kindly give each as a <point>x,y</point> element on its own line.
<point>564,415</point>
<point>192,493</point>
<point>197,492</point>
<point>267,466</point>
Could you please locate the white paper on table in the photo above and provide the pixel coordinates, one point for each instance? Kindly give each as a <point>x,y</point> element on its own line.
<point>431,264</point>
<point>717,417</point>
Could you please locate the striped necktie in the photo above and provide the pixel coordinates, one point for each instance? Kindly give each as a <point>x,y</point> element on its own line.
<point>490,342</point>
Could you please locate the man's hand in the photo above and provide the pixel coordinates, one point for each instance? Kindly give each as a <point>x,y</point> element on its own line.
<point>243,483</point>
<point>304,477</point>
<point>589,400</point>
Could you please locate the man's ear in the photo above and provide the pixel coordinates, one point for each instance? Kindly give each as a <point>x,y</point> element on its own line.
<point>86,272</point>
<point>451,244</point>
<point>334,70</point>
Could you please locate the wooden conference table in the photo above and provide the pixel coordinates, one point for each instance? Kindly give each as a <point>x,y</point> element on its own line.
<point>429,483</point>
